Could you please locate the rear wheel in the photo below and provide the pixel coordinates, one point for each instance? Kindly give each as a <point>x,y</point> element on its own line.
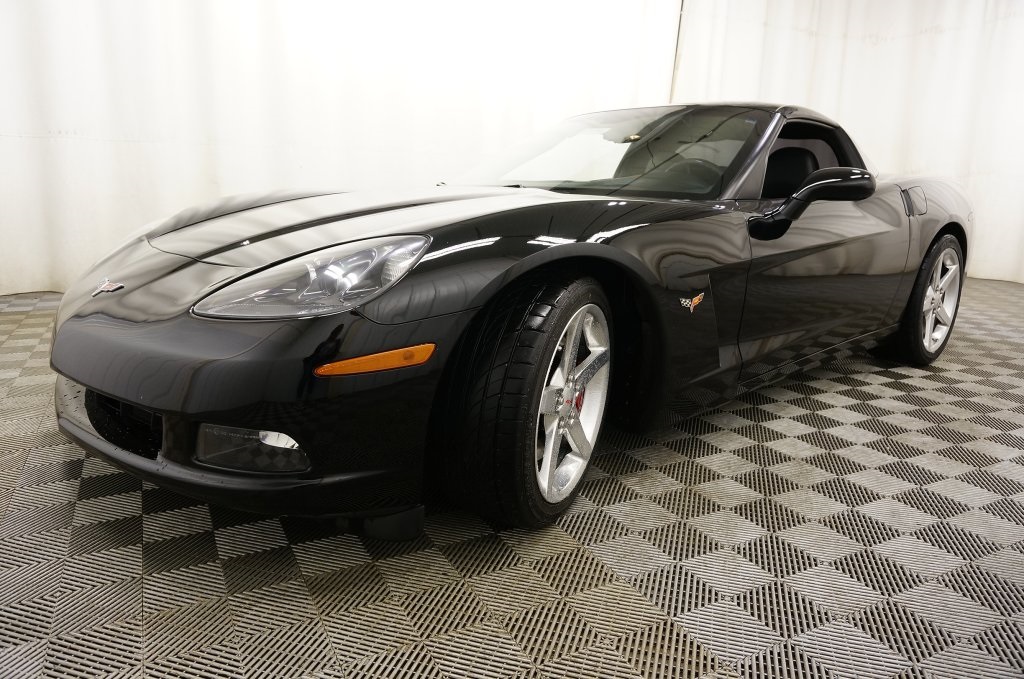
<point>536,382</point>
<point>934,302</point>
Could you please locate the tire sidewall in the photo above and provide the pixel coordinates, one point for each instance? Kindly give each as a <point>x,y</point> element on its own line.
<point>577,294</point>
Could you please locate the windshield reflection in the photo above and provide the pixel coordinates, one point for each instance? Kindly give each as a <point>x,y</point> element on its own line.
<point>668,152</point>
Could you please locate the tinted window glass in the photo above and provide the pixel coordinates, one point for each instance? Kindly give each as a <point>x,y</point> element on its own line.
<point>690,152</point>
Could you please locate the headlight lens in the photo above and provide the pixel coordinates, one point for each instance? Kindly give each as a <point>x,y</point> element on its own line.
<point>324,282</point>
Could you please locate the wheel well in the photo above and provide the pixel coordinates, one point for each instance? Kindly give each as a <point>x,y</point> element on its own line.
<point>957,231</point>
<point>634,328</point>
<point>635,333</point>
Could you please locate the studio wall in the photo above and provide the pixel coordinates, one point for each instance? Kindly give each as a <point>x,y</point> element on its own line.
<point>117,112</point>
<point>923,86</point>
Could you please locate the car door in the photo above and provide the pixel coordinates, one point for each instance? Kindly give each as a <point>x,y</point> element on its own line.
<point>833,274</point>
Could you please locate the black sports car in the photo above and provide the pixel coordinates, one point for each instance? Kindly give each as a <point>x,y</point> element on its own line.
<point>346,353</point>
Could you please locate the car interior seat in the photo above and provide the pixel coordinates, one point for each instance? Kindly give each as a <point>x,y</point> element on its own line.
<point>787,169</point>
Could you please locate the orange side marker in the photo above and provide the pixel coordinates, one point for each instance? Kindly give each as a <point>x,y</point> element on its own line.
<point>385,360</point>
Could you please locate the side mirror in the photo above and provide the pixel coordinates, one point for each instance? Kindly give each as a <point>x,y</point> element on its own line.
<point>836,183</point>
<point>830,183</point>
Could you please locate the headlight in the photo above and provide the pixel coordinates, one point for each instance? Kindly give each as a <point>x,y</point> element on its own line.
<point>324,282</point>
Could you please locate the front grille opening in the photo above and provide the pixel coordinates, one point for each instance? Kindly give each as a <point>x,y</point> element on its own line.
<point>128,427</point>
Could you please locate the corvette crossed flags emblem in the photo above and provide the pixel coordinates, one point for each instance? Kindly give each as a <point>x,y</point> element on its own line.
<point>106,286</point>
<point>691,303</point>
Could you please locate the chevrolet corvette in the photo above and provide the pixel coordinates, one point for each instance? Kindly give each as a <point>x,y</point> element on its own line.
<point>355,353</point>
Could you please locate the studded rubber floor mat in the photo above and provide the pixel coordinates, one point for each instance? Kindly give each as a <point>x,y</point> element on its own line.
<point>863,520</point>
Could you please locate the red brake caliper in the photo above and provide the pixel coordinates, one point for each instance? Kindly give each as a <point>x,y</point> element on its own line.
<point>579,400</point>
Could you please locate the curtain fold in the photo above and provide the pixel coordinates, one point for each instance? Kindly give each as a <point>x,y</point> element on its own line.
<point>115,113</point>
<point>928,87</point>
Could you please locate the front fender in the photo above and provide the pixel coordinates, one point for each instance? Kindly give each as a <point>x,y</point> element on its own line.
<point>653,269</point>
<point>469,276</point>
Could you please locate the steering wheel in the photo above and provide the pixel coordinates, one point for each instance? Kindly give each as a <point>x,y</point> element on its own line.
<point>702,171</point>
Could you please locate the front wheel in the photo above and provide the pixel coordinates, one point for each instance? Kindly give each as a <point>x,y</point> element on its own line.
<point>934,302</point>
<point>571,402</point>
<point>537,377</point>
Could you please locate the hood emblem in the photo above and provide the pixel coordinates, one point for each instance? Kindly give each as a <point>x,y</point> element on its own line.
<point>691,303</point>
<point>106,286</point>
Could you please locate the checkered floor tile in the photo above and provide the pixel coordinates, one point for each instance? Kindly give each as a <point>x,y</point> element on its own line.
<point>864,519</point>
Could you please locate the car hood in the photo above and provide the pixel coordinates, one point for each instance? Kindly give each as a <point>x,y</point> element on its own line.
<point>164,271</point>
<point>250,233</point>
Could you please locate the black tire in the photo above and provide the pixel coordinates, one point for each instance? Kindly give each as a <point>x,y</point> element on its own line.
<point>500,372</point>
<point>908,343</point>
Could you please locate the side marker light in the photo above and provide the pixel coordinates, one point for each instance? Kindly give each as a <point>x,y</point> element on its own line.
<point>385,360</point>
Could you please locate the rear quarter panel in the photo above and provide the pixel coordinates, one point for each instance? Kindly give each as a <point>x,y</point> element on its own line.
<point>935,204</point>
<point>945,203</point>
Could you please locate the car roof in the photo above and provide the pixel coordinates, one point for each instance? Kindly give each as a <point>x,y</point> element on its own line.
<point>786,110</point>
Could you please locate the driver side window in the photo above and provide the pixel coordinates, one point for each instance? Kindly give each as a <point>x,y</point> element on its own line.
<point>800,149</point>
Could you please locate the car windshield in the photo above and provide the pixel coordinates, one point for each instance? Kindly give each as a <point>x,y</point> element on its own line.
<point>666,152</point>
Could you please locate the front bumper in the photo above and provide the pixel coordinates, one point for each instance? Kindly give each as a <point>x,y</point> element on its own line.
<point>365,434</point>
<point>260,494</point>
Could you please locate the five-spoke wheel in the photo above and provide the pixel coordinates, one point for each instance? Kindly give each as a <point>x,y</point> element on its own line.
<point>537,377</point>
<point>941,299</point>
<point>934,301</point>
<point>572,403</point>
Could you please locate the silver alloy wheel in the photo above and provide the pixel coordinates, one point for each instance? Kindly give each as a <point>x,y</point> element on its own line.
<point>572,403</point>
<point>940,300</point>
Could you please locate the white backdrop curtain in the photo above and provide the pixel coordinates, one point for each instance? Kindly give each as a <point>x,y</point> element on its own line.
<point>114,113</point>
<point>117,112</point>
<point>923,86</point>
